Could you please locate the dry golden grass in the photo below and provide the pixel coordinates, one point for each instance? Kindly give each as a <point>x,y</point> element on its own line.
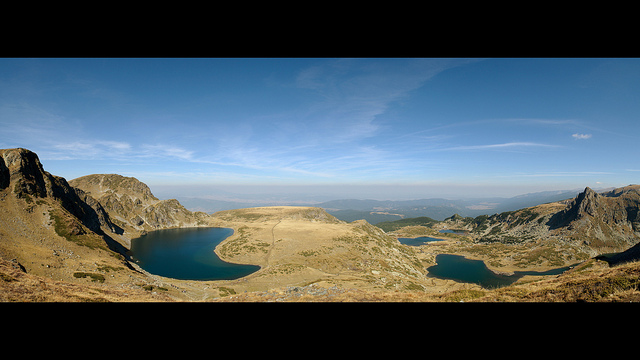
<point>302,248</point>
<point>18,286</point>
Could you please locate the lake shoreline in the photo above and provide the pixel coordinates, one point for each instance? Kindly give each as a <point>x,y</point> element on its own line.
<point>185,254</point>
<point>472,270</point>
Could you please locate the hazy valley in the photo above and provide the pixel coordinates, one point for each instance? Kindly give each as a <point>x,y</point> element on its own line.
<point>68,241</point>
<point>375,211</point>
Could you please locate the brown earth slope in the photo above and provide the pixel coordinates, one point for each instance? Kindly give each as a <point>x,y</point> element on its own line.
<point>50,233</point>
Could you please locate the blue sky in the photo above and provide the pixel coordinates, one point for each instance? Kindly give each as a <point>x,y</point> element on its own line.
<point>389,128</point>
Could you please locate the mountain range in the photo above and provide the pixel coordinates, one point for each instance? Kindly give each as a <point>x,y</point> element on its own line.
<point>375,211</point>
<point>69,240</point>
<point>597,222</point>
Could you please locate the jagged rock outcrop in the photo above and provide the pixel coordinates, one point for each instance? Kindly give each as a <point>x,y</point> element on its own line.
<point>48,227</point>
<point>600,222</point>
<point>585,204</point>
<point>114,207</point>
<point>22,172</point>
<point>606,220</point>
<point>132,206</point>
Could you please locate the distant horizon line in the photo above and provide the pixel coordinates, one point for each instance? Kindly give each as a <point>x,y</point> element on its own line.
<point>280,197</point>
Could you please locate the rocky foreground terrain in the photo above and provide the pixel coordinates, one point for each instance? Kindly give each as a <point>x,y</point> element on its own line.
<point>68,241</point>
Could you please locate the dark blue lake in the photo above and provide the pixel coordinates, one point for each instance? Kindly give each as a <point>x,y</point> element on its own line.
<point>417,241</point>
<point>186,254</point>
<point>459,268</point>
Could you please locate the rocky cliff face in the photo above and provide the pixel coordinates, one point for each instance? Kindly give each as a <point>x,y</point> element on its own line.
<point>22,174</point>
<point>133,208</point>
<point>114,207</point>
<point>584,205</point>
<point>48,227</point>
<point>605,222</point>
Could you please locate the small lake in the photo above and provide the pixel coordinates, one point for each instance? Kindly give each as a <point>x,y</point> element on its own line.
<point>186,254</point>
<point>418,240</point>
<point>459,268</point>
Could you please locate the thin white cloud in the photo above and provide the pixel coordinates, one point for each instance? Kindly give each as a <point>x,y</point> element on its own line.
<point>166,151</point>
<point>581,136</point>
<point>501,146</point>
<point>84,150</point>
<point>352,93</point>
<point>93,146</point>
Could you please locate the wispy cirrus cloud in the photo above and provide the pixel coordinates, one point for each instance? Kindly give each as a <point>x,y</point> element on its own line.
<point>581,136</point>
<point>508,145</point>
<point>353,92</point>
<point>165,151</point>
<point>87,149</point>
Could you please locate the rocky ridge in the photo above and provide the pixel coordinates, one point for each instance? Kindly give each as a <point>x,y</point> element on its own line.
<point>48,228</point>
<point>54,231</point>
<point>597,223</point>
<point>23,175</point>
<point>133,208</point>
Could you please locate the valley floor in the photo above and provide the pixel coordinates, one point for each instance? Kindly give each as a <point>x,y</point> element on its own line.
<point>591,281</point>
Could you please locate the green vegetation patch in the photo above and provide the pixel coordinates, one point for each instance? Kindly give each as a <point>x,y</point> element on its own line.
<point>284,269</point>
<point>150,287</point>
<point>243,244</point>
<point>411,286</point>
<point>107,268</point>
<point>226,291</point>
<point>307,253</point>
<point>94,277</point>
<point>70,229</point>
<point>538,255</point>
<point>462,295</point>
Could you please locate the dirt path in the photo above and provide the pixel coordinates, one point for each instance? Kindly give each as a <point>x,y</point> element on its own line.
<point>273,242</point>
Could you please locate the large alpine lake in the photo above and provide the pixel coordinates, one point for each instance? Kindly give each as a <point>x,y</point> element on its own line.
<point>186,254</point>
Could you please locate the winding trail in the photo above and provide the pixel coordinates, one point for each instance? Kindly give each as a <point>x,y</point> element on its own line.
<point>273,242</point>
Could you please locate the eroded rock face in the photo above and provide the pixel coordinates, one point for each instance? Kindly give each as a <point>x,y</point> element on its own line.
<point>608,221</point>
<point>102,202</point>
<point>586,203</point>
<point>132,205</point>
<point>596,223</point>
<point>22,172</point>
